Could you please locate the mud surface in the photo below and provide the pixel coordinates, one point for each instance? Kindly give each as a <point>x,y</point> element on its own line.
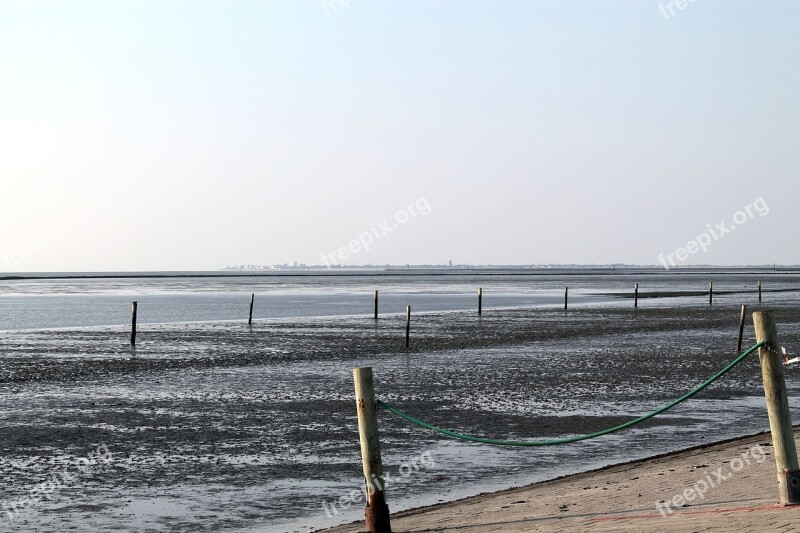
<point>221,426</point>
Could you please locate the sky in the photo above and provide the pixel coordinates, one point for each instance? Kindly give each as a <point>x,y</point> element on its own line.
<point>193,135</point>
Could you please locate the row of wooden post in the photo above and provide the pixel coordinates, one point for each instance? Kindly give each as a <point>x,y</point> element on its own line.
<point>772,373</point>
<point>480,308</point>
<point>134,311</point>
<point>566,305</point>
<point>636,294</point>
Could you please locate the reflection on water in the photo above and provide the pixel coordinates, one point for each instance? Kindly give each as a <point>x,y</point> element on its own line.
<point>56,303</point>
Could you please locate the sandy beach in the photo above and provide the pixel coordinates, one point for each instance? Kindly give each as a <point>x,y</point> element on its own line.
<point>729,486</point>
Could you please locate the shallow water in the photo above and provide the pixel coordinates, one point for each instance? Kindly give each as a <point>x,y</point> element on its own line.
<point>53,303</point>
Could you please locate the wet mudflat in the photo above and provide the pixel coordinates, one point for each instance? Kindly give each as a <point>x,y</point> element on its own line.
<point>221,426</point>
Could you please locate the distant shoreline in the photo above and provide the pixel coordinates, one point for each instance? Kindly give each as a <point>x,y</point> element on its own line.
<point>418,271</point>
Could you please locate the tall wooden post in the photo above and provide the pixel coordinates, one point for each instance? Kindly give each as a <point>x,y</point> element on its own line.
<point>376,511</point>
<point>741,329</point>
<point>375,313</point>
<point>408,323</point>
<point>635,295</point>
<point>759,291</point>
<point>252,301</point>
<point>780,422</point>
<point>710,293</point>
<point>566,297</point>
<point>134,307</point>
<point>480,300</point>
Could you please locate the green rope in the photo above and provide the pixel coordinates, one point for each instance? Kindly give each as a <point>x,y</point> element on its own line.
<point>568,440</point>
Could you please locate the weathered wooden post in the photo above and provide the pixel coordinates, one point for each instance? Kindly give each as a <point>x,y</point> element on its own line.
<point>566,296</point>
<point>134,306</point>
<point>741,329</point>
<point>780,422</point>
<point>635,295</point>
<point>252,301</point>
<point>376,511</point>
<point>480,300</point>
<point>408,323</point>
<point>376,305</point>
<point>710,293</point>
<point>759,291</point>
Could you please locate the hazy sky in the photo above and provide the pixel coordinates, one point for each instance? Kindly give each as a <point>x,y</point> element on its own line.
<point>153,135</point>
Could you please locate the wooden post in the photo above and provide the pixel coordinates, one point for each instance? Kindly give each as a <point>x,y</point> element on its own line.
<point>741,329</point>
<point>710,293</point>
<point>376,511</point>
<point>133,323</point>
<point>408,323</point>
<point>759,291</point>
<point>480,300</point>
<point>566,296</point>
<point>635,295</point>
<point>780,422</point>
<point>376,305</point>
<point>252,301</point>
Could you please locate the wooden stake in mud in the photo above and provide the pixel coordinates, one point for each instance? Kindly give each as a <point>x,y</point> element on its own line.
<point>710,293</point>
<point>741,329</point>
<point>635,295</point>
<point>566,296</point>
<point>480,300</point>
<point>376,511</point>
<point>134,305</point>
<point>780,422</point>
<point>408,323</point>
<point>252,301</point>
<point>376,305</point>
<point>759,292</point>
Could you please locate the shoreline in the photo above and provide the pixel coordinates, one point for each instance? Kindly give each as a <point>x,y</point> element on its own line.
<point>520,270</point>
<point>751,503</point>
